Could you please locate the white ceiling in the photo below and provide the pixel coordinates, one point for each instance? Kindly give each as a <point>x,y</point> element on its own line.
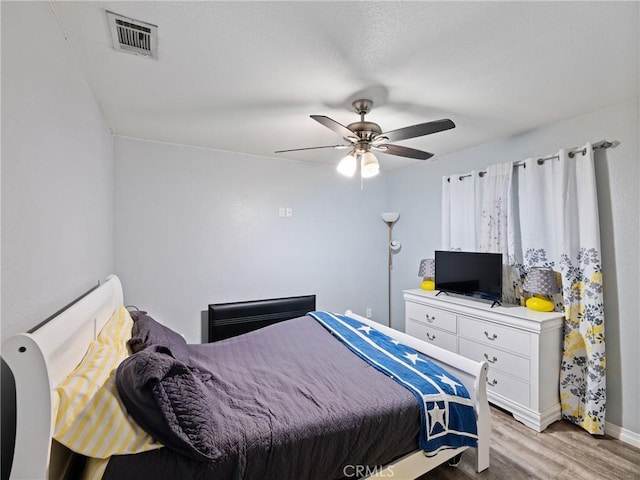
<point>245,76</point>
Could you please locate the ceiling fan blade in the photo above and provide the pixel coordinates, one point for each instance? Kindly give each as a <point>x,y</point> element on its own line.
<point>331,124</point>
<point>418,130</point>
<point>313,148</point>
<point>401,151</point>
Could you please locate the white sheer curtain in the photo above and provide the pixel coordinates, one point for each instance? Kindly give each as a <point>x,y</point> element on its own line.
<point>477,216</point>
<point>560,229</point>
<point>496,215</point>
<point>460,208</point>
<point>497,228</point>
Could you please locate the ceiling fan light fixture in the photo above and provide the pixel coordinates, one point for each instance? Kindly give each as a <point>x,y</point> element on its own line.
<point>348,165</point>
<point>369,166</point>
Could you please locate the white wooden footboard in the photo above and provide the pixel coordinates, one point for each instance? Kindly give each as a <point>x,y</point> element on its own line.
<point>473,375</point>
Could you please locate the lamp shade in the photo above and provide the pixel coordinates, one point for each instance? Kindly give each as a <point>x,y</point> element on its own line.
<point>427,268</point>
<point>369,166</point>
<point>390,217</point>
<point>348,165</point>
<point>541,280</point>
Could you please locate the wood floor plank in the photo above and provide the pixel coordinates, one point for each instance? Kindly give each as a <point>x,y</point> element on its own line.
<point>562,452</point>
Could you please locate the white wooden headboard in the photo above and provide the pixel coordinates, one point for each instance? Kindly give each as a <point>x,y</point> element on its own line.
<point>39,361</point>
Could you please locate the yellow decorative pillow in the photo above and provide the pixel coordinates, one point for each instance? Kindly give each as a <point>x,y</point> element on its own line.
<point>90,416</point>
<point>117,330</point>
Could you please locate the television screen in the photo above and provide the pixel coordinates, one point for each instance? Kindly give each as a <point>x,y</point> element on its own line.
<point>469,273</point>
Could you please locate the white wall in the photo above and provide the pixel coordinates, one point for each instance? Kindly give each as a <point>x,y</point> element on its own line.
<point>196,226</point>
<point>415,192</point>
<point>57,172</point>
<point>57,182</point>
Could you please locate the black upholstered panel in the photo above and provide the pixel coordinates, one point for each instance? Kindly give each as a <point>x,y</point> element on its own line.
<point>231,319</point>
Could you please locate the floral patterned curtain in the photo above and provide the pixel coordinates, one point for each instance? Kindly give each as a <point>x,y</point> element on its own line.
<point>544,215</point>
<point>559,229</point>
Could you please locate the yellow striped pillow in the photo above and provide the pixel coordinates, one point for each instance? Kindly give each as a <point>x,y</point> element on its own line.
<point>90,416</point>
<point>117,330</point>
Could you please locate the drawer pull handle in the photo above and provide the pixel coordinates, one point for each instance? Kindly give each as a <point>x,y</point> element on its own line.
<point>492,337</point>
<point>430,319</point>
<point>490,360</point>
<point>431,337</point>
<point>493,382</point>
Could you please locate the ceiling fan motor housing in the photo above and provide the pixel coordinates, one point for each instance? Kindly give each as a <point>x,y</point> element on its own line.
<point>365,130</point>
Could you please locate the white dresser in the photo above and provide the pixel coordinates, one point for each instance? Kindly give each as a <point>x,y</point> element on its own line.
<point>523,348</point>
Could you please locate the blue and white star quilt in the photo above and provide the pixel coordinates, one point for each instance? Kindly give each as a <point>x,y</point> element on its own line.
<point>446,411</point>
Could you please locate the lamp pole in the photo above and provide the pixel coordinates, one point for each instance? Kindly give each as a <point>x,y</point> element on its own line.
<point>389,218</point>
<point>389,274</point>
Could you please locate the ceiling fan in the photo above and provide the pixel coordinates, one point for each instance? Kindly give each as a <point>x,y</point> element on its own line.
<point>365,136</point>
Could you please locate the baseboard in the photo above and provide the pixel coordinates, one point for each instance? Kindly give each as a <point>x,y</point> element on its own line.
<point>622,434</point>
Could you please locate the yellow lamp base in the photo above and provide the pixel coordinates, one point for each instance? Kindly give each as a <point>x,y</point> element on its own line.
<point>428,285</point>
<point>540,304</point>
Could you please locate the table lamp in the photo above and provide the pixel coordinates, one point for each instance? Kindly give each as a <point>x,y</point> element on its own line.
<point>541,281</point>
<point>427,271</point>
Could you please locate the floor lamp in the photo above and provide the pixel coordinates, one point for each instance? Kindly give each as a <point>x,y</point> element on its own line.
<point>393,245</point>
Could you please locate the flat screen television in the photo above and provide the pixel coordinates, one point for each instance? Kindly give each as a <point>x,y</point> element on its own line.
<point>473,274</point>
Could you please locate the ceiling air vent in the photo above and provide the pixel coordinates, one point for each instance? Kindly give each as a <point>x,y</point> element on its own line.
<point>133,36</point>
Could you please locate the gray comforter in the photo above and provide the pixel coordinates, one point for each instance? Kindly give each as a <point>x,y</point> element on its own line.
<point>284,402</point>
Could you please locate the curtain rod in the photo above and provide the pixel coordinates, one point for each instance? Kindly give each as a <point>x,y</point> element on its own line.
<point>572,153</point>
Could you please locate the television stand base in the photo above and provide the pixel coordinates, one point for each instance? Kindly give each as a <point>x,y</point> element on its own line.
<point>495,302</point>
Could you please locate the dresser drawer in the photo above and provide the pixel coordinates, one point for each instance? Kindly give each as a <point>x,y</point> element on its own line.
<point>495,335</point>
<point>433,317</point>
<point>498,359</point>
<point>436,337</point>
<point>509,387</point>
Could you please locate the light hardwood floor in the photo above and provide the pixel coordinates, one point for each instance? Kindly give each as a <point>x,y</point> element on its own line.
<point>562,452</point>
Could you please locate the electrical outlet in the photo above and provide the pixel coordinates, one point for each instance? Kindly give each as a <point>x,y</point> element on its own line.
<point>368,312</point>
<point>281,212</point>
<point>289,212</point>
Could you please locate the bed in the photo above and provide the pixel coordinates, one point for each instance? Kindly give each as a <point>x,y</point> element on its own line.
<point>42,360</point>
